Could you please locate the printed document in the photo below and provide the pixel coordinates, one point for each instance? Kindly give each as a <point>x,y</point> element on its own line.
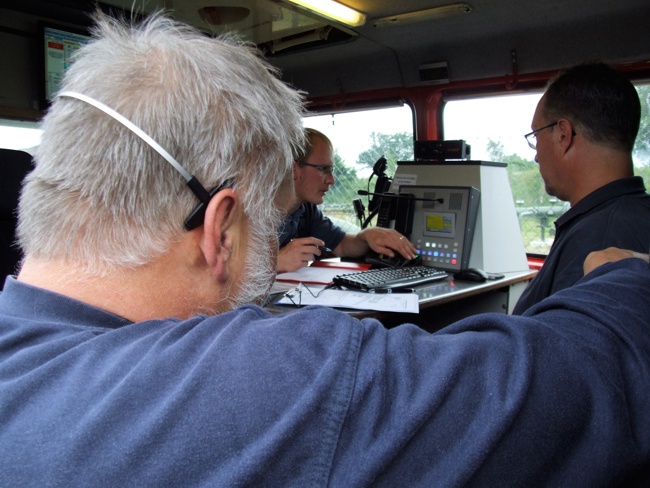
<point>302,295</point>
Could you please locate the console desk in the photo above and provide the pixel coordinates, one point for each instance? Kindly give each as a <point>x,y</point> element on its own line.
<point>447,301</point>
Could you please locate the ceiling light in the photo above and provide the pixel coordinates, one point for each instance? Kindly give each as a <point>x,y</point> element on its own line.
<point>316,35</point>
<point>334,11</point>
<point>424,15</point>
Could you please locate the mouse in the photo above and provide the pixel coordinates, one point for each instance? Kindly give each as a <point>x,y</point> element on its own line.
<point>471,274</point>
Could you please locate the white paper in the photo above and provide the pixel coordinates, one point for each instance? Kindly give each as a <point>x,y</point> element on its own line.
<point>315,274</point>
<point>384,302</point>
<point>403,179</point>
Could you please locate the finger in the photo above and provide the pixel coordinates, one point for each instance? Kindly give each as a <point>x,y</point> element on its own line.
<point>311,241</point>
<point>383,249</point>
<point>407,253</point>
<point>406,245</point>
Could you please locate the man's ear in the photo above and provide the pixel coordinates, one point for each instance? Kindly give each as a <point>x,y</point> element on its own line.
<point>220,221</point>
<point>565,134</point>
<point>296,171</point>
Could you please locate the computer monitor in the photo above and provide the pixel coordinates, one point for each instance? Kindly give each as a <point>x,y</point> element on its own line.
<point>59,45</point>
<point>443,223</point>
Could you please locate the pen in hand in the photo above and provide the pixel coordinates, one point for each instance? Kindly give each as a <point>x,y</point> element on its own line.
<point>324,249</point>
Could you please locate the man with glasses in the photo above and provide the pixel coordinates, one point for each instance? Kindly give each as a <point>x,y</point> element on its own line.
<point>584,130</point>
<point>307,233</point>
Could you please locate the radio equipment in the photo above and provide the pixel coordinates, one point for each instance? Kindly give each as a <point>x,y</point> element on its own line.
<point>441,150</point>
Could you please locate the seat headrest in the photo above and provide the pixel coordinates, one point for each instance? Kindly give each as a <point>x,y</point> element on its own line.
<point>14,166</point>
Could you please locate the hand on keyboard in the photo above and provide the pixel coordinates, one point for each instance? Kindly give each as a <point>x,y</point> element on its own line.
<point>380,261</point>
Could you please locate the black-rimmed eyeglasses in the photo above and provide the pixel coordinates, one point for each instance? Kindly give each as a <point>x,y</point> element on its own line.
<point>325,170</point>
<point>531,137</point>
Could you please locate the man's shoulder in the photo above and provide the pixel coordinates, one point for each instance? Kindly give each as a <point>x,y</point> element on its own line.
<point>622,210</point>
<point>623,193</point>
<point>311,211</point>
<point>621,201</point>
<point>251,330</point>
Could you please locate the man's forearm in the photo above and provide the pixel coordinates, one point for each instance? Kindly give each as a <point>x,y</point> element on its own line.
<point>352,246</point>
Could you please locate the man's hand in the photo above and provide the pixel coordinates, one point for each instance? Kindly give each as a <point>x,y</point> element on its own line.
<point>381,240</point>
<point>298,253</point>
<point>611,254</point>
<point>387,241</point>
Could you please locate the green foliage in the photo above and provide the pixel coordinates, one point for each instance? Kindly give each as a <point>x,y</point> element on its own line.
<point>342,171</point>
<point>525,181</point>
<point>642,144</point>
<point>496,150</point>
<point>347,183</point>
<point>394,147</point>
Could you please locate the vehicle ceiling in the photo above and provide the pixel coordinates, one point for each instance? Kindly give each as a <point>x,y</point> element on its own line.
<point>544,34</point>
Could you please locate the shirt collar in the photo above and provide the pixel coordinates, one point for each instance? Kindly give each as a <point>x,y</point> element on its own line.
<point>19,299</point>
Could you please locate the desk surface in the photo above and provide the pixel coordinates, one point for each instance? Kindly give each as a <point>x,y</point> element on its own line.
<point>450,290</point>
<point>438,296</point>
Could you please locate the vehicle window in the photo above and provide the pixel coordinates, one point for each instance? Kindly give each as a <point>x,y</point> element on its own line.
<point>25,136</point>
<point>494,128</point>
<point>359,140</point>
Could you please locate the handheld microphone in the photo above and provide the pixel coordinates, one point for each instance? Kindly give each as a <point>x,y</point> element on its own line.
<point>359,209</point>
<point>380,166</point>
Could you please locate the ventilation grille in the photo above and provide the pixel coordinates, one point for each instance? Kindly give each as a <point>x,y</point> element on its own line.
<point>429,195</point>
<point>455,201</point>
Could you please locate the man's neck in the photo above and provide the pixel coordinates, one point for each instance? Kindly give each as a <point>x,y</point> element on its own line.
<point>597,170</point>
<point>296,205</point>
<point>159,289</point>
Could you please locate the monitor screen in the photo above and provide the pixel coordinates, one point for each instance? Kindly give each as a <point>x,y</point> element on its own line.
<point>59,45</point>
<point>439,224</point>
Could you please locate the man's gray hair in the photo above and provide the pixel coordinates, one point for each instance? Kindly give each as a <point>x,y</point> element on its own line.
<point>102,198</point>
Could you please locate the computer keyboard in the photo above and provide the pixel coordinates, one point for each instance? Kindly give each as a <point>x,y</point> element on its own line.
<point>389,278</point>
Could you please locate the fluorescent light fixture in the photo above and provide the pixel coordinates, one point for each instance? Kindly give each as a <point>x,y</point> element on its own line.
<point>334,11</point>
<point>316,35</point>
<point>424,15</point>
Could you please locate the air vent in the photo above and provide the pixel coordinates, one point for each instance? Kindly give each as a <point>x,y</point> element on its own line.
<point>455,201</point>
<point>434,73</point>
<point>317,38</point>
<point>429,197</point>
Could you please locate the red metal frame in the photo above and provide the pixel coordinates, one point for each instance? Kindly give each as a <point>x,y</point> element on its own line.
<point>428,100</point>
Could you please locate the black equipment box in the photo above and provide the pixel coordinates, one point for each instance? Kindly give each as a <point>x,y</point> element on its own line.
<point>441,150</point>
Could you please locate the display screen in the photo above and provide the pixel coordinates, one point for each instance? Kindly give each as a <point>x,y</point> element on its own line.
<point>59,45</point>
<point>439,224</point>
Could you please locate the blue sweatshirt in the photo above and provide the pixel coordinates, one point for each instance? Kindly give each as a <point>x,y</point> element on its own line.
<point>557,397</point>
